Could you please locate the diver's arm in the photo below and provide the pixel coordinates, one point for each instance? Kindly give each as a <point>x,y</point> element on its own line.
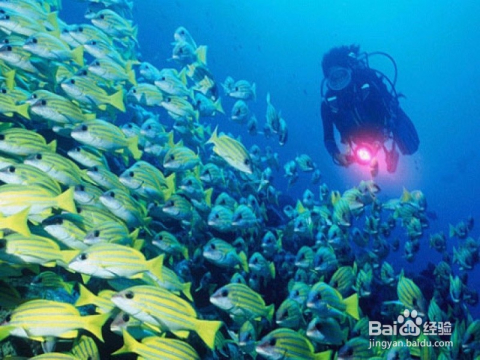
<point>328,133</point>
<point>329,138</point>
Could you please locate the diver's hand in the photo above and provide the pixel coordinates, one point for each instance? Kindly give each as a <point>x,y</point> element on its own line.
<point>343,159</point>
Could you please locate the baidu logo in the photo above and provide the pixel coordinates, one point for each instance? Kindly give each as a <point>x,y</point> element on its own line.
<point>411,323</point>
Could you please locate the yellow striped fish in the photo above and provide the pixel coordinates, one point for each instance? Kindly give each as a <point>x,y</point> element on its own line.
<point>159,307</point>
<point>288,344</point>
<point>15,198</point>
<point>109,261</point>
<point>38,319</point>
<point>22,142</point>
<point>58,167</point>
<point>180,158</point>
<point>105,136</point>
<point>242,303</point>
<point>24,174</point>
<point>232,151</point>
<point>171,282</point>
<point>34,249</point>
<point>154,347</point>
<point>49,279</point>
<point>85,348</point>
<point>55,356</point>
<point>84,90</point>
<point>410,295</point>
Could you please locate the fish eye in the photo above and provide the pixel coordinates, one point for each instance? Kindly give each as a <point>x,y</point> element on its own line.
<point>8,318</point>
<point>3,243</point>
<point>96,233</point>
<point>318,326</point>
<point>11,169</point>
<point>246,162</point>
<point>83,256</point>
<point>169,99</point>
<point>212,246</point>
<point>172,157</point>
<point>43,102</point>
<point>97,63</point>
<point>318,296</point>
<point>81,188</point>
<point>126,317</point>
<point>272,342</point>
<point>102,17</point>
<point>34,40</point>
<point>4,91</point>
<point>72,81</point>
<point>112,194</point>
<point>160,237</point>
<point>94,169</point>
<point>163,78</point>
<point>224,293</point>
<point>129,295</point>
<point>131,174</point>
<point>80,29</point>
<point>249,337</point>
<point>58,221</point>
<point>93,42</point>
<point>134,90</point>
<point>217,216</point>
<point>7,17</point>
<point>2,137</point>
<point>38,156</point>
<point>9,48</point>
<point>84,128</point>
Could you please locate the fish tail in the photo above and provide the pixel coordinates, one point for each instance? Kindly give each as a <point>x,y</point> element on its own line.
<point>22,110</point>
<point>52,145</point>
<point>77,55</point>
<point>9,79</point>
<point>155,266</point>
<point>185,253</point>
<point>254,91</point>
<point>18,222</point>
<point>213,137</point>
<point>451,232</point>
<point>202,54</point>
<point>129,344</point>
<point>116,100</point>
<point>66,256</point>
<point>243,261</point>
<point>86,297</point>
<point>352,306</point>
<point>272,270</point>
<point>270,310</point>
<point>65,201</point>
<point>94,324</point>
<point>186,290</point>
<point>5,331</point>
<point>133,147</point>
<point>207,330</point>
<point>324,355</point>
<point>218,106</point>
<point>68,287</point>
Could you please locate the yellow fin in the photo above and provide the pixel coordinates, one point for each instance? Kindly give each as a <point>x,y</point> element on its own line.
<point>155,266</point>
<point>65,201</point>
<point>77,55</point>
<point>116,100</point>
<point>18,222</point>
<point>207,330</point>
<point>23,110</point>
<point>94,324</point>
<point>187,291</point>
<point>133,148</point>
<point>352,306</point>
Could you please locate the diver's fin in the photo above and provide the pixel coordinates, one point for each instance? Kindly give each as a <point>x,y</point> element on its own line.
<point>404,134</point>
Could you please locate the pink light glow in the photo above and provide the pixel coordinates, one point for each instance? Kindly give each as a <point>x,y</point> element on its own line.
<point>363,155</point>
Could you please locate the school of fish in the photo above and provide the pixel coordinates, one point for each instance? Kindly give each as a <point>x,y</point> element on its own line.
<point>166,238</point>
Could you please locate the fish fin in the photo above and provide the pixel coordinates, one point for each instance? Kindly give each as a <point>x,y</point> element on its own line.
<point>131,77</point>
<point>182,334</point>
<point>406,196</point>
<point>67,256</point>
<point>52,145</point>
<point>186,290</point>
<point>207,330</point>
<point>182,76</point>
<point>86,297</point>
<point>243,261</point>
<point>68,286</point>
<point>185,253</point>
<point>116,100</point>
<point>9,79</point>
<point>85,278</point>
<point>52,19</point>
<point>94,324</point>
<point>129,344</point>
<point>202,54</point>
<point>270,312</point>
<point>324,355</point>
<point>155,266</point>
<point>218,106</point>
<point>133,147</point>
<point>213,137</point>
<point>65,201</point>
<point>18,222</point>
<point>451,231</point>
<point>208,196</point>
<point>352,306</point>
<point>5,331</point>
<point>23,110</point>
<point>77,55</point>
<point>272,269</point>
<point>254,91</point>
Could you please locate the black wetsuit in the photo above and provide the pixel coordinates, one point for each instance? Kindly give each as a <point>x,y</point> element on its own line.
<point>358,115</point>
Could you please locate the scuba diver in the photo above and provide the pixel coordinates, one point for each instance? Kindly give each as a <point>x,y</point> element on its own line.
<point>362,104</point>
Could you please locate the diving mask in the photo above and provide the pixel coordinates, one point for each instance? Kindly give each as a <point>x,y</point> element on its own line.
<point>339,78</point>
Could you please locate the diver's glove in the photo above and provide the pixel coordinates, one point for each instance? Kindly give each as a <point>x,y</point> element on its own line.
<point>343,159</point>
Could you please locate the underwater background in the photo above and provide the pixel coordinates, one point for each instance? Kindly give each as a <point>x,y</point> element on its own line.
<point>279,46</point>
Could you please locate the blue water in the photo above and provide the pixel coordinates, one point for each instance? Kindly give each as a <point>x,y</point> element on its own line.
<point>279,46</point>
